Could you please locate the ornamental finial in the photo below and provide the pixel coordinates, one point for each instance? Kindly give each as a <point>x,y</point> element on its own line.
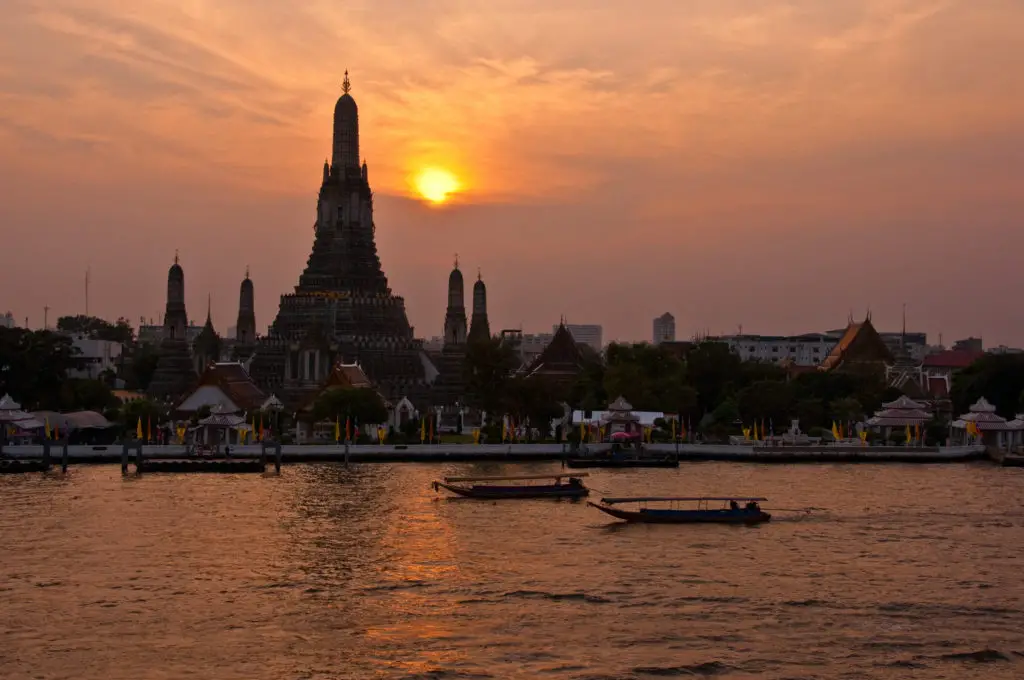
<point>246,271</point>
<point>175,256</point>
<point>478,276</point>
<point>345,84</point>
<point>456,260</point>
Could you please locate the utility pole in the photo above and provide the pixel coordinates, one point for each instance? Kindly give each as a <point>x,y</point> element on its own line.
<point>46,317</point>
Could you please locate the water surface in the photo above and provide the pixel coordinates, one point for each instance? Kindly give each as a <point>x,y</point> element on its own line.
<point>896,571</point>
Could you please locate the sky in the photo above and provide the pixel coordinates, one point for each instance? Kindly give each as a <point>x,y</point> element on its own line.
<point>757,163</point>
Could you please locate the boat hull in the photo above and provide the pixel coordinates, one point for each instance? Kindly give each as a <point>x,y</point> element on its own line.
<point>741,516</point>
<point>622,462</point>
<point>506,492</point>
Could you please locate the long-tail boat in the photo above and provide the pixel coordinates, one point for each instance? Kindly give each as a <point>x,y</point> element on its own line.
<point>730,511</point>
<point>572,487</point>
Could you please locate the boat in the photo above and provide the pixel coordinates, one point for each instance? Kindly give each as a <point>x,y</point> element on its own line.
<point>730,512</point>
<point>556,488</point>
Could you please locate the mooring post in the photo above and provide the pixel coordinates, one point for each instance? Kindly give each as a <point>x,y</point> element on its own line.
<point>46,454</point>
<point>124,458</point>
<point>346,454</point>
<point>64,456</point>
<point>138,458</point>
<point>277,457</point>
<point>263,454</point>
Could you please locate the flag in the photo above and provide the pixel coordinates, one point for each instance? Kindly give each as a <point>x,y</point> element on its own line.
<point>149,428</point>
<point>682,430</point>
<point>431,429</point>
<point>842,431</point>
<point>907,433</point>
<point>348,429</point>
<point>261,427</point>
<point>583,431</point>
<point>337,428</point>
<point>56,431</point>
<point>754,436</point>
<point>763,431</point>
<point>423,429</point>
<point>835,431</point>
<point>864,437</point>
<point>917,431</point>
<point>746,434</point>
<point>673,429</point>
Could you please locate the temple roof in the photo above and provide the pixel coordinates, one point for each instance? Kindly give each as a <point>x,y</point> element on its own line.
<point>347,375</point>
<point>562,355</point>
<point>233,380</point>
<point>904,402</point>
<point>860,342</point>
<point>620,404</point>
<point>952,358</point>
<point>8,404</point>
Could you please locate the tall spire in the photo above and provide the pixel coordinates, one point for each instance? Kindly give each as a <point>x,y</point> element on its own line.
<point>209,308</point>
<point>345,152</point>
<point>345,84</point>
<point>456,260</point>
<point>175,256</point>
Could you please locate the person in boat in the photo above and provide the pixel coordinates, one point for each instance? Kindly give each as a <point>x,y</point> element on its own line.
<point>733,505</point>
<point>753,506</point>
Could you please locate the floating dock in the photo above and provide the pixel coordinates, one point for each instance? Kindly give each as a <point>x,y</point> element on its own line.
<point>224,465</point>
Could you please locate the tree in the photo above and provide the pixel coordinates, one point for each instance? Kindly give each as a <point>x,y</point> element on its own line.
<point>846,410</point>
<point>997,377</point>
<point>146,410</point>
<point>713,370</point>
<point>99,329</point>
<point>488,366</point>
<point>765,401</point>
<point>141,367</point>
<point>363,404</point>
<point>34,365</point>
<point>78,394</point>
<point>587,392</point>
<point>810,413</point>
<point>649,377</point>
<point>533,398</point>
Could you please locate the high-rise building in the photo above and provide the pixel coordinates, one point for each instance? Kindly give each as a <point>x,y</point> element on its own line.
<point>7,320</point>
<point>584,334</point>
<point>664,329</point>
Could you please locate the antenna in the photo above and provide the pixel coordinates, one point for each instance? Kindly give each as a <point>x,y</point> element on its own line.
<point>87,291</point>
<point>46,317</point>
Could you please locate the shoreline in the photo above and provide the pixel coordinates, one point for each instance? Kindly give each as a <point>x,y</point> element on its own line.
<point>509,453</point>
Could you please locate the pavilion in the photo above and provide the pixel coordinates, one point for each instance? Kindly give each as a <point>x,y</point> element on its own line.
<point>993,429</point>
<point>902,413</point>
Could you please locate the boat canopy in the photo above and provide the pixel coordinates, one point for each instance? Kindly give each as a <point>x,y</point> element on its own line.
<point>647,499</point>
<point>509,479</point>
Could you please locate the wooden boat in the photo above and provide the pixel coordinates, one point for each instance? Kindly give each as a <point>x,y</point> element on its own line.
<point>623,462</point>
<point>730,512</point>
<point>571,488</point>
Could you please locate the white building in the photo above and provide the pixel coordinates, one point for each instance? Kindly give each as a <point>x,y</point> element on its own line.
<point>97,355</point>
<point>803,350</point>
<point>584,334</point>
<point>7,320</point>
<point>664,329</point>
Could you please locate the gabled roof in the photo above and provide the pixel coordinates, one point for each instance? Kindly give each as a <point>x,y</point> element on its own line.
<point>562,355</point>
<point>952,358</point>
<point>234,381</point>
<point>347,375</point>
<point>860,341</point>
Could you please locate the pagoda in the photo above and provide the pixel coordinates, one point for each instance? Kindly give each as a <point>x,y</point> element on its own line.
<point>450,385</point>
<point>342,309</point>
<point>174,373</point>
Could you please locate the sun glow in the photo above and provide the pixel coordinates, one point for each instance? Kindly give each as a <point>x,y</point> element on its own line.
<point>435,184</point>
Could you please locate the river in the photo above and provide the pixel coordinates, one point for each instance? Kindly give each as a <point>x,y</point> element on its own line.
<point>866,571</point>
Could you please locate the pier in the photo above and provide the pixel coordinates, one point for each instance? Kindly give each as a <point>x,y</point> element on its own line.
<point>255,458</point>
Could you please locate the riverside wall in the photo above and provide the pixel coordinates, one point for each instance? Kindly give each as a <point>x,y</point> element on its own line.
<point>388,453</point>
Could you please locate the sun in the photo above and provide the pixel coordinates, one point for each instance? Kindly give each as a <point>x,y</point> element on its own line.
<point>435,184</point>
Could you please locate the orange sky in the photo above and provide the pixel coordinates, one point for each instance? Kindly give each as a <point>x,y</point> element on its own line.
<point>757,162</point>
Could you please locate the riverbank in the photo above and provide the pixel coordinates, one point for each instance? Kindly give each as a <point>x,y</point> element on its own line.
<point>420,453</point>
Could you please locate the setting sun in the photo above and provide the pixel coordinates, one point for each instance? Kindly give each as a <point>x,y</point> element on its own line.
<point>435,184</point>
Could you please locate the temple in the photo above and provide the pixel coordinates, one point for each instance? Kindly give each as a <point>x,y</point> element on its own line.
<point>479,328</point>
<point>860,348</point>
<point>450,385</point>
<point>245,326</point>
<point>175,372</point>
<point>342,309</point>
<point>561,361</point>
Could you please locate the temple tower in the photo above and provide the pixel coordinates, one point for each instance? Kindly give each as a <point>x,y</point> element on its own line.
<point>206,349</point>
<point>246,324</point>
<point>174,372</point>
<point>342,292</point>
<point>480,328</point>
<point>455,316</point>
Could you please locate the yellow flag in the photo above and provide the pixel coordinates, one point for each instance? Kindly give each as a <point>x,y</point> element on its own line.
<point>754,437</point>
<point>907,432</point>
<point>138,428</point>
<point>583,432</point>
<point>46,424</point>
<point>423,430</point>
<point>835,430</point>
<point>337,428</point>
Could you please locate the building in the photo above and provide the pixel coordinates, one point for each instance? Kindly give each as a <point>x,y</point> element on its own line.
<point>342,310</point>
<point>530,345</point>
<point>96,356</point>
<point>585,334</point>
<point>153,334</point>
<point>969,345</point>
<point>450,385</point>
<point>175,373</point>
<point>561,361</point>
<point>664,329</point>
<point>7,321</point>
<point>860,348</point>
<point>809,349</point>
